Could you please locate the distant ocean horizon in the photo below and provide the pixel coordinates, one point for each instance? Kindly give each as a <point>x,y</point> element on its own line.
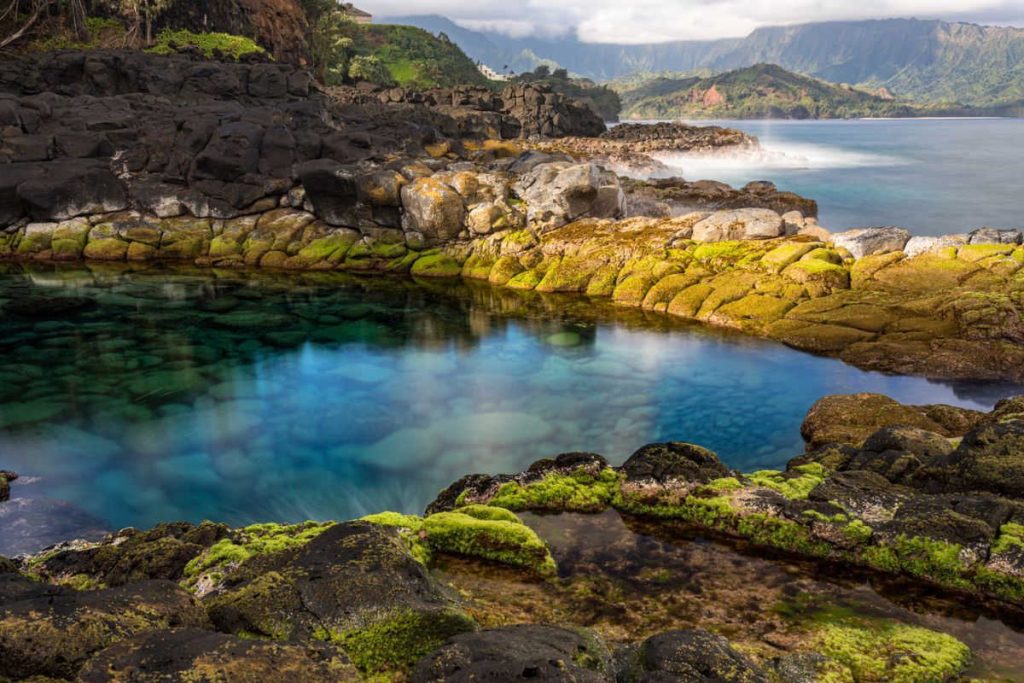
<point>932,176</point>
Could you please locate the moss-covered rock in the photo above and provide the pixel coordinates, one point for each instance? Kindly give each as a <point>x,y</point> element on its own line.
<point>536,651</point>
<point>190,654</point>
<point>53,635</point>
<point>436,265</point>
<point>355,584</point>
<point>883,650</point>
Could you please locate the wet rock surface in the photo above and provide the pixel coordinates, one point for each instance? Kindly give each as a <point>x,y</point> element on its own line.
<point>522,652</point>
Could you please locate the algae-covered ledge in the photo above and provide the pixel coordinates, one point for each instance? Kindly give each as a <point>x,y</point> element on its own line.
<point>929,493</point>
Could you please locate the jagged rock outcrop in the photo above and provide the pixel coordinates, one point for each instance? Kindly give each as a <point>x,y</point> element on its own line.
<point>531,110</point>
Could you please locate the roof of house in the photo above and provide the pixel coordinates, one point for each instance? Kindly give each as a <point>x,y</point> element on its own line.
<point>355,11</point>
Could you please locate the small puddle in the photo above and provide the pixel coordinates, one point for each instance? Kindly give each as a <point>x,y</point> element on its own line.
<point>629,579</point>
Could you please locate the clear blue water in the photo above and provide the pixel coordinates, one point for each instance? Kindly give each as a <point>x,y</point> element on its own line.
<point>932,176</point>
<point>239,398</point>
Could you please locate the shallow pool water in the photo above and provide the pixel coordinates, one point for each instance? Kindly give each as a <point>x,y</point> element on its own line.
<point>241,397</point>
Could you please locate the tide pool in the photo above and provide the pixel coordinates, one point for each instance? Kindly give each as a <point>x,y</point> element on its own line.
<point>132,398</point>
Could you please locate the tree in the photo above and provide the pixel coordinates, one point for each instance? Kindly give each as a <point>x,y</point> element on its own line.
<point>72,11</point>
<point>331,46</point>
<point>542,71</point>
<point>142,14</point>
<point>369,68</point>
<point>560,74</point>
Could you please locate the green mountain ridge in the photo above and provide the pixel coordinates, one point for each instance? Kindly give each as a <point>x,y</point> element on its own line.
<point>928,61</point>
<point>761,91</point>
<point>414,57</point>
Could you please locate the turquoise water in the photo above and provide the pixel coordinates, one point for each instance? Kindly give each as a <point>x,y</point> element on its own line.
<point>196,394</point>
<point>932,176</point>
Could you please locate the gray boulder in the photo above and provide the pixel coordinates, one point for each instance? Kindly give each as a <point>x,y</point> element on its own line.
<point>861,242</point>
<point>740,224</point>
<point>559,193</point>
<point>924,245</point>
<point>994,236</point>
<point>432,208</point>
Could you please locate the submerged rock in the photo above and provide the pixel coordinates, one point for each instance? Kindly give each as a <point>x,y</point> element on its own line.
<point>187,654</point>
<point>535,652</point>
<point>693,655</point>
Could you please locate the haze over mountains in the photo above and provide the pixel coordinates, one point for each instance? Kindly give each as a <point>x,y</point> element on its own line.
<point>928,61</point>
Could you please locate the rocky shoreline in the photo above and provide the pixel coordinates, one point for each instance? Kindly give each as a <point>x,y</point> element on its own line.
<point>927,492</point>
<point>296,180</point>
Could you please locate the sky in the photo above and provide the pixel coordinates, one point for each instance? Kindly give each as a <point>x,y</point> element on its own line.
<point>646,21</point>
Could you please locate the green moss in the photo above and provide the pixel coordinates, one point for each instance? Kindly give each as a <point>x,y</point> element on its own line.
<point>208,43</point>
<point>386,648</point>
<point>331,248</point>
<point>436,265</point>
<point>781,256</point>
<point>932,559</point>
<point>82,582</point>
<point>838,518</point>
<point>527,279</point>
<point>505,268</point>
<point>715,512</point>
<point>410,529</point>
<point>1011,537</point>
<point>481,531</point>
<point>723,485</point>
<point>579,491</point>
<point>783,534</point>
<point>884,650</point>
<point>1003,586</point>
<point>793,487</point>
<point>258,539</point>
<point>882,558</point>
<point>858,532</point>
<point>499,540</point>
<point>976,252</point>
<point>730,250</point>
<point>569,274</point>
<point>602,284</point>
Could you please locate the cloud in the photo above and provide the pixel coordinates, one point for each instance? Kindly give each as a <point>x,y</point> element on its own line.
<point>646,21</point>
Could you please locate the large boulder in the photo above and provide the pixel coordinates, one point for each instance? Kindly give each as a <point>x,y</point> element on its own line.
<point>534,652</point>
<point>995,236</point>
<point>852,418</point>
<point>739,224</point>
<point>862,242</point>
<point>433,209</point>
<point>349,584</point>
<point>990,459</point>
<point>922,244</point>
<point>191,654</point>
<point>559,193</point>
<point>675,460</point>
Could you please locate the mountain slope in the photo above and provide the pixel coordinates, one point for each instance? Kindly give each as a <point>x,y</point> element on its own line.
<point>414,57</point>
<point>925,60</point>
<point>761,91</point>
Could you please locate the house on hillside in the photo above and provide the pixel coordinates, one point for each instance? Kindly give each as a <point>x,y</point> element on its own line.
<point>355,14</point>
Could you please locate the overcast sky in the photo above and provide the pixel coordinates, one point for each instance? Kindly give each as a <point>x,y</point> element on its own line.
<point>643,21</point>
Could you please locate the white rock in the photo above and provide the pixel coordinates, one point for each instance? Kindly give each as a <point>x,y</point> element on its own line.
<point>739,224</point>
<point>923,245</point>
<point>862,242</point>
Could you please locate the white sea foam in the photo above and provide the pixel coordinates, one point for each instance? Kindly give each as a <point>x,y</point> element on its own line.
<point>771,156</point>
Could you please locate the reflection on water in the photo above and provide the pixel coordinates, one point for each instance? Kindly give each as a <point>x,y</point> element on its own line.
<point>190,394</point>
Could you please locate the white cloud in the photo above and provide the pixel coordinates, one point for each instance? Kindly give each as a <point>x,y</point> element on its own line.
<point>644,21</point>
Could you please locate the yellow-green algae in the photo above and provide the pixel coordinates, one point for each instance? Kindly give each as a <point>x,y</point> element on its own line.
<point>482,531</point>
<point>886,651</point>
<point>792,487</point>
<point>578,491</point>
<point>384,649</point>
<point>258,539</point>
